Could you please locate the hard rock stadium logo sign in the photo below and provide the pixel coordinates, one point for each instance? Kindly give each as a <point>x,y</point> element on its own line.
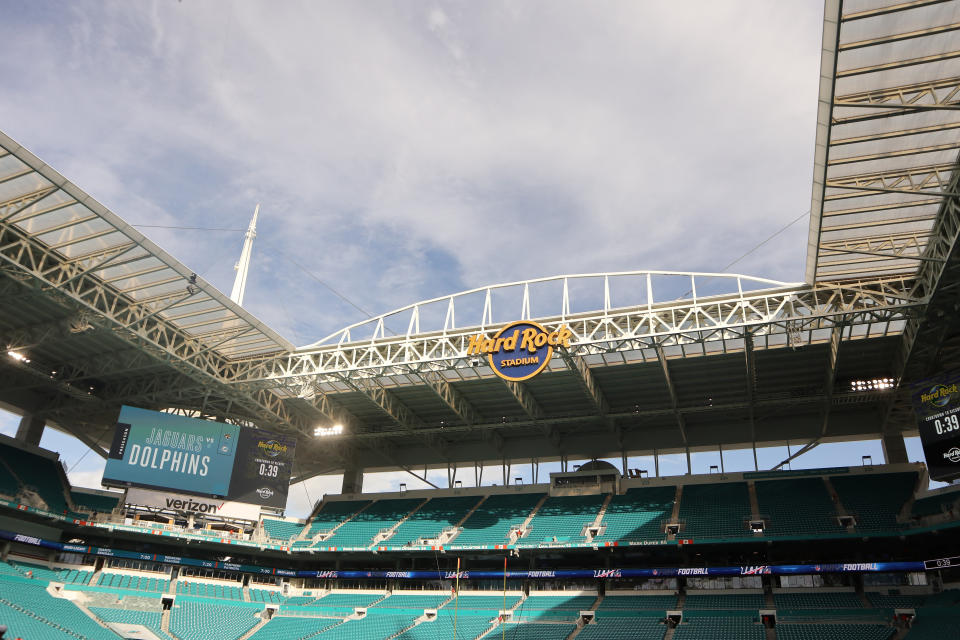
<point>939,395</point>
<point>520,350</point>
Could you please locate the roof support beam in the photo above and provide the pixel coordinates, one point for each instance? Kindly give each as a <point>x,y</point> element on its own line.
<point>526,400</point>
<point>674,404</point>
<point>578,365</point>
<point>830,376</point>
<point>750,360</point>
<point>451,397</point>
<point>386,402</point>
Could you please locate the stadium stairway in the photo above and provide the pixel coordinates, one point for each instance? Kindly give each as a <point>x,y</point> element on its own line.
<point>754,502</point>
<point>165,621</point>
<point>525,526</point>
<point>384,536</point>
<point>603,511</point>
<point>255,628</point>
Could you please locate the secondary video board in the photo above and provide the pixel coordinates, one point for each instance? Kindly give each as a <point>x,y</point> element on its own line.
<point>158,450</point>
<point>937,403</point>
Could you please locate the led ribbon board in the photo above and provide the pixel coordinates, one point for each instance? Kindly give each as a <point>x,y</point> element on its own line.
<point>164,451</point>
<point>520,350</point>
<point>937,404</point>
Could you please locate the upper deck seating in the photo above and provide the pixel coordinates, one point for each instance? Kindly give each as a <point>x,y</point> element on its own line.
<point>875,499</point>
<point>94,503</point>
<point>639,514</point>
<point>544,607</point>
<point>937,504</point>
<point>799,506</point>
<point>383,514</point>
<point>715,510</point>
<point>39,473</point>
<point>435,516</point>
<point>562,519</point>
<point>613,605</point>
<point>490,524</point>
<point>332,514</point>
<point>818,600</point>
<point>746,601</point>
<point>281,529</point>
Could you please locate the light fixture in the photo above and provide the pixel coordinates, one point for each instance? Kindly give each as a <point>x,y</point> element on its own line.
<point>19,357</point>
<point>873,384</point>
<point>323,432</point>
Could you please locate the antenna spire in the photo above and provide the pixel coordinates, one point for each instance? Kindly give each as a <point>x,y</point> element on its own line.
<point>240,284</point>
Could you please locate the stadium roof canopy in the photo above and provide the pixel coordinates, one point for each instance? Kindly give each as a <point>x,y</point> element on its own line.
<point>888,133</point>
<point>658,361</point>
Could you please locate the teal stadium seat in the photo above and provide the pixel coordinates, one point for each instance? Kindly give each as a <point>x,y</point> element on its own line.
<point>332,514</point>
<point>435,516</point>
<point>490,524</point>
<point>562,519</point>
<point>625,605</point>
<point>281,529</point>
<point>196,621</point>
<point>875,499</point>
<point>360,531</point>
<point>715,510</point>
<point>833,632</point>
<point>287,628</point>
<point>638,515</point>
<point>609,628</point>
<point>797,507</point>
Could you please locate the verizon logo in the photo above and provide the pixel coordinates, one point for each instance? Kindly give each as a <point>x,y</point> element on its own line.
<point>190,505</point>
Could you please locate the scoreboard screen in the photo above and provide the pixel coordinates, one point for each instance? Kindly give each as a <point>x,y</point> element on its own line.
<point>158,450</point>
<point>937,404</point>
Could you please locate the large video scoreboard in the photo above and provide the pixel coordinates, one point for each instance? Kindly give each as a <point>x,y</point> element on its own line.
<point>164,451</point>
<point>937,403</point>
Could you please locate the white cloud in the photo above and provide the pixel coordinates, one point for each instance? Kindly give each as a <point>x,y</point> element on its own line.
<point>411,151</point>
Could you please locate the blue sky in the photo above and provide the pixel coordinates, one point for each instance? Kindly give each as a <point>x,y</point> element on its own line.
<point>405,150</point>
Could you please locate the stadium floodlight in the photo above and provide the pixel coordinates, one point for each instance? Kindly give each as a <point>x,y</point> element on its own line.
<point>323,432</point>
<point>19,357</point>
<point>874,384</point>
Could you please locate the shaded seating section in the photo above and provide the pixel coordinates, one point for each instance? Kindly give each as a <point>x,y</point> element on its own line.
<point>490,524</point>
<point>148,619</point>
<point>607,628</point>
<point>727,625</point>
<point>935,623</point>
<point>639,514</point>
<point>432,519</point>
<point>841,631</point>
<point>265,595</point>
<point>196,621</point>
<point>9,486</point>
<point>360,531</point>
<point>562,519</point>
<point>41,474</point>
<point>613,605</point>
<point>94,503</point>
<point>532,631</point>
<point>800,506</point>
<point>540,607</point>
<point>208,590</point>
<point>332,604</point>
<point>30,612</point>
<point>287,628</point>
<point>898,601</point>
<point>139,583</point>
<point>747,601</point>
<point>466,624</point>
<point>818,600</point>
<point>329,516</point>
<point>937,504</point>
<point>862,615</point>
<point>374,626</point>
<point>485,603</point>
<point>715,510</point>
<point>413,602</point>
<point>281,529</point>
<point>875,499</point>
